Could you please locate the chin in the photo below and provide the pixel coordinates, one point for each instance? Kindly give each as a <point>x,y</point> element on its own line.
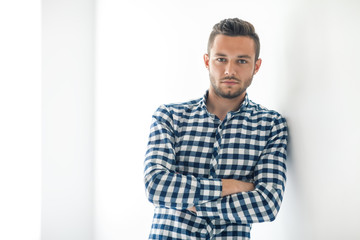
<point>231,94</point>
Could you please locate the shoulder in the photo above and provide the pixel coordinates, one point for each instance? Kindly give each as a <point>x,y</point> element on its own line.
<point>269,115</point>
<point>173,114</point>
<point>183,105</point>
<point>176,111</point>
<point>268,119</point>
<point>178,108</point>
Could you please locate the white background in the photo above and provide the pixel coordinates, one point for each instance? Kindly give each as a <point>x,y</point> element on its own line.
<point>107,65</point>
<point>20,119</point>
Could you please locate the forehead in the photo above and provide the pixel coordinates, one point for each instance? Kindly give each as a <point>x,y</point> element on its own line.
<point>229,45</point>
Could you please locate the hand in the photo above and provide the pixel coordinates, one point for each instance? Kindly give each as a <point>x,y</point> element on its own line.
<point>192,209</point>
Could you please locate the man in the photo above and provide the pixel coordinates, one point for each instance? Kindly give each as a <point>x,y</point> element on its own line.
<point>216,165</point>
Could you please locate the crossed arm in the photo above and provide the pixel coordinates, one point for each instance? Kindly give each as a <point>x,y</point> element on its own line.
<point>231,186</point>
<point>228,199</point>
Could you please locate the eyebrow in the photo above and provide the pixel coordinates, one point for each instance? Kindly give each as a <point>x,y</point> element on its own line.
<point>224,55</point>
<point>244,56</point>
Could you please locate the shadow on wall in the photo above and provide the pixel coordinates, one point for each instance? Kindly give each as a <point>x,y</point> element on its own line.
<point>323,115</point>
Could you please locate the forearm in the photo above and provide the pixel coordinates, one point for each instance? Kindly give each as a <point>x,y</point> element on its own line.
<point>178,191</point>
<point>260,205</point>
<point>232,186</point>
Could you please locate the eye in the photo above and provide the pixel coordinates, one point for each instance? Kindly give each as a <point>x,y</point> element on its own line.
<point>221,59</point>
<point>242,61</point>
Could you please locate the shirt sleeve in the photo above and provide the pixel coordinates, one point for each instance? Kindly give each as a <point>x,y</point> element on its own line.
<point>263,203</point>
<point>164,186</point>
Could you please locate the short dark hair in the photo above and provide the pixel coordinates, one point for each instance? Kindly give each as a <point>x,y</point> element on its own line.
<point>235,27</point>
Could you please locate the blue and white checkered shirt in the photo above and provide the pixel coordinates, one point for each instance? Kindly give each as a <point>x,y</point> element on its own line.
<point>190,150</point>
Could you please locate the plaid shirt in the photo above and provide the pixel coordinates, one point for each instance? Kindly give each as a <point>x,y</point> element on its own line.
<point>190,150</point>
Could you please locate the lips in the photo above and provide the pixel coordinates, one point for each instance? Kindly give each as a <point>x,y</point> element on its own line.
<point>230,82</point>
<point>230,79</point>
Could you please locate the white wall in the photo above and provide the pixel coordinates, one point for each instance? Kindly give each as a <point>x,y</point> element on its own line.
<point>20,116</point>
<point>67,119</point>
<point>324,115</point>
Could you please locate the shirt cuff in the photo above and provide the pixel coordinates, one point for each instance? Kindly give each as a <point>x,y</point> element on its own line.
<point>208,190</point>
<point>209,209</point>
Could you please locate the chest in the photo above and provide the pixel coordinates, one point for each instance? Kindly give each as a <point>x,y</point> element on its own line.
<point>225,150</point>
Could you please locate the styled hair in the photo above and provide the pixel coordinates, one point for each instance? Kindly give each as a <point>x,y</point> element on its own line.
<point>235,27</point>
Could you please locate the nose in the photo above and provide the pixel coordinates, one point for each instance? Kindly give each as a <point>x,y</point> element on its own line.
<point>230,69</point>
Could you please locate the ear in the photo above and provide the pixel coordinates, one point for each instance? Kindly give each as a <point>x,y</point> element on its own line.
<point>257,65</point>
<point>206,60</point>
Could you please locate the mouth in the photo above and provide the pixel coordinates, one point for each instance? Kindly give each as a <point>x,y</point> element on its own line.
<point>230,82</point>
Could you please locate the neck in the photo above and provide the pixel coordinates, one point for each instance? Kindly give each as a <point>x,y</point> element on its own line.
<point>221,106</point>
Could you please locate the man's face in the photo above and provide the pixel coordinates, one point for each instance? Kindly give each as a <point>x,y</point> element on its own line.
<point>231,64</point>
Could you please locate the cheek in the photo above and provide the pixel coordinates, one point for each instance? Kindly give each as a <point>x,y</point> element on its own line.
<point>214,73</point>
<point>215,69</point>
<point>248,70</point>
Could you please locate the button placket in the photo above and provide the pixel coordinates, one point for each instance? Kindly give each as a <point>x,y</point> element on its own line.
<point>217,147</point>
